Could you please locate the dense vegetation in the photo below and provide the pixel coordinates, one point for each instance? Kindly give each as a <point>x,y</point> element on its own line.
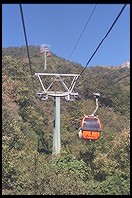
<point>89,168</point>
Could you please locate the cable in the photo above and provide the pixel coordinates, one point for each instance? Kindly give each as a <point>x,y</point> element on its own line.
<point>24,29</point>
<point>103,38</point>
<point>82,32</point>
<point>102,41</point>
<point>104,88</point>
<point>116,81</point>
<point>111,72</point>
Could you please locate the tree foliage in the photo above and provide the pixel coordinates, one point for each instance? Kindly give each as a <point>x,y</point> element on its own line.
<point>88,168</point>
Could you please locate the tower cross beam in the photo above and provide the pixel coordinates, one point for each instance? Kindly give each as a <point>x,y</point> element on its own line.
<point>58,77</point>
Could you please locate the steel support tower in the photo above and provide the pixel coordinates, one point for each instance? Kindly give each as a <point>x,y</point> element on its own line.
<point>44,49</point>
<point>69,95</point>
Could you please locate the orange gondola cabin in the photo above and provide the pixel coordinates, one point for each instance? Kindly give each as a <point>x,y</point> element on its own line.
<point>49,54</point>
<point>90,128</point>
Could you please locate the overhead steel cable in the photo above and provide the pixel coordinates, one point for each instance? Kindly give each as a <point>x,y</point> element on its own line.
<point>113,79</point>
<point>116,81</point>
<point>24,29</point>
<point>82,32</point>
<point>102,41</point>
<point>73,70</point>
<point>104,38</point>
<point>113,83</point>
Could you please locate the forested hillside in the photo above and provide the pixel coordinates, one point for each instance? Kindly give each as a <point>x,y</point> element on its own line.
<point>99,167</point>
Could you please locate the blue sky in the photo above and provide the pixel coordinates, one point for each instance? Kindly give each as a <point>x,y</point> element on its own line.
<point>61,25</point>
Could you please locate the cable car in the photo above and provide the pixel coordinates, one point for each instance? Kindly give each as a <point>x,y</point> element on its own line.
<point>90,128</point>
<point>49,54</point>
